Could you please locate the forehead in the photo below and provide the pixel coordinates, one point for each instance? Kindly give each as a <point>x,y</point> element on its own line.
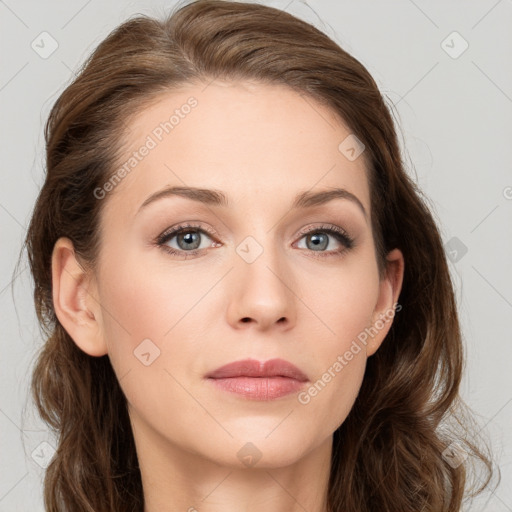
<point>256,142</point>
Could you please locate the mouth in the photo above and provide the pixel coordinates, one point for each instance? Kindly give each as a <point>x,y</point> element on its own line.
<point>256,380</point>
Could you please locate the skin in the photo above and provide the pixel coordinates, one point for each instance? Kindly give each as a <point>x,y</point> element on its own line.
<point>260,145</point>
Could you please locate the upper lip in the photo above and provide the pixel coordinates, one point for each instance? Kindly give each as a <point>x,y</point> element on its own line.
<point>254,368</point>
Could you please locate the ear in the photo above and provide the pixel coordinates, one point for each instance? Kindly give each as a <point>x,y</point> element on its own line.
<point>389,290</point>
<point>75,299</point>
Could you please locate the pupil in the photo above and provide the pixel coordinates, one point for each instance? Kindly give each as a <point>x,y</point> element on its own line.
<point>189,238</point>
<point>318,243</point>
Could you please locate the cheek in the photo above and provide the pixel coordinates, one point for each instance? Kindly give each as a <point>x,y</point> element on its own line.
<point>340,362</point>
<point>148,315</point>
<point>343,304</point>
<point>146,302</point>
<point>327,401</point>
<point>155,341</point>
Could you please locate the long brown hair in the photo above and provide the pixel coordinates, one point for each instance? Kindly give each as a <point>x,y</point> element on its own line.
<point>390,452</point>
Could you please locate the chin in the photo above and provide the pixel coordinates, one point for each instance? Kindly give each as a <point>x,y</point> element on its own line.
<point>256,451</point>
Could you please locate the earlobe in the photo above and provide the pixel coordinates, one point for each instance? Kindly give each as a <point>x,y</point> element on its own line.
<point>389,291</point>
<point>75,305</point>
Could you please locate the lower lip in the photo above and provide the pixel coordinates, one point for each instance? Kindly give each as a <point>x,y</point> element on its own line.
<point>259,388</point>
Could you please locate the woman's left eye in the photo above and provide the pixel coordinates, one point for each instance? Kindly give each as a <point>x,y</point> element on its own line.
<point>317,240</point>
<point>187,240</point>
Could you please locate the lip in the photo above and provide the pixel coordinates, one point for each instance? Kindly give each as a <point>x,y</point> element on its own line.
<point>258,380</point>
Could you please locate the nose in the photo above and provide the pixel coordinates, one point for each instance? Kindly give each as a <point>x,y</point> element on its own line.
<point>262,294</point>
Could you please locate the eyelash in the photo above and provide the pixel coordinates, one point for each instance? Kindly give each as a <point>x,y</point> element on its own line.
<point>340,234</point>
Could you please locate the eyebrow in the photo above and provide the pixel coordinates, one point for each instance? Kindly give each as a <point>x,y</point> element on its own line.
<point>211,197</point>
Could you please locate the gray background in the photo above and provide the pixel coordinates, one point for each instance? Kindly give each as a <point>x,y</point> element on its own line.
<point>454,115</point>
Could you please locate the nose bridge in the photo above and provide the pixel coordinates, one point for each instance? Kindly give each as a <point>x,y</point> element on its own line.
<point>261,264</point>
<point>262,282</point>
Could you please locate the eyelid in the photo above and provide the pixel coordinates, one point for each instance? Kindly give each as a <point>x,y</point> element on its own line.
<point>183,227</point>
<point>324,227</point>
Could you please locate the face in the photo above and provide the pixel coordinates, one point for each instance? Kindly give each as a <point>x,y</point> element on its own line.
<point>260,270</point>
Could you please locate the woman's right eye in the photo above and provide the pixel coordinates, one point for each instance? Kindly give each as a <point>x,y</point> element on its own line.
<point>185,240</point>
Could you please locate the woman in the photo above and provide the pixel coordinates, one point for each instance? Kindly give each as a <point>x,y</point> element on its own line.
<point>246,298</point>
